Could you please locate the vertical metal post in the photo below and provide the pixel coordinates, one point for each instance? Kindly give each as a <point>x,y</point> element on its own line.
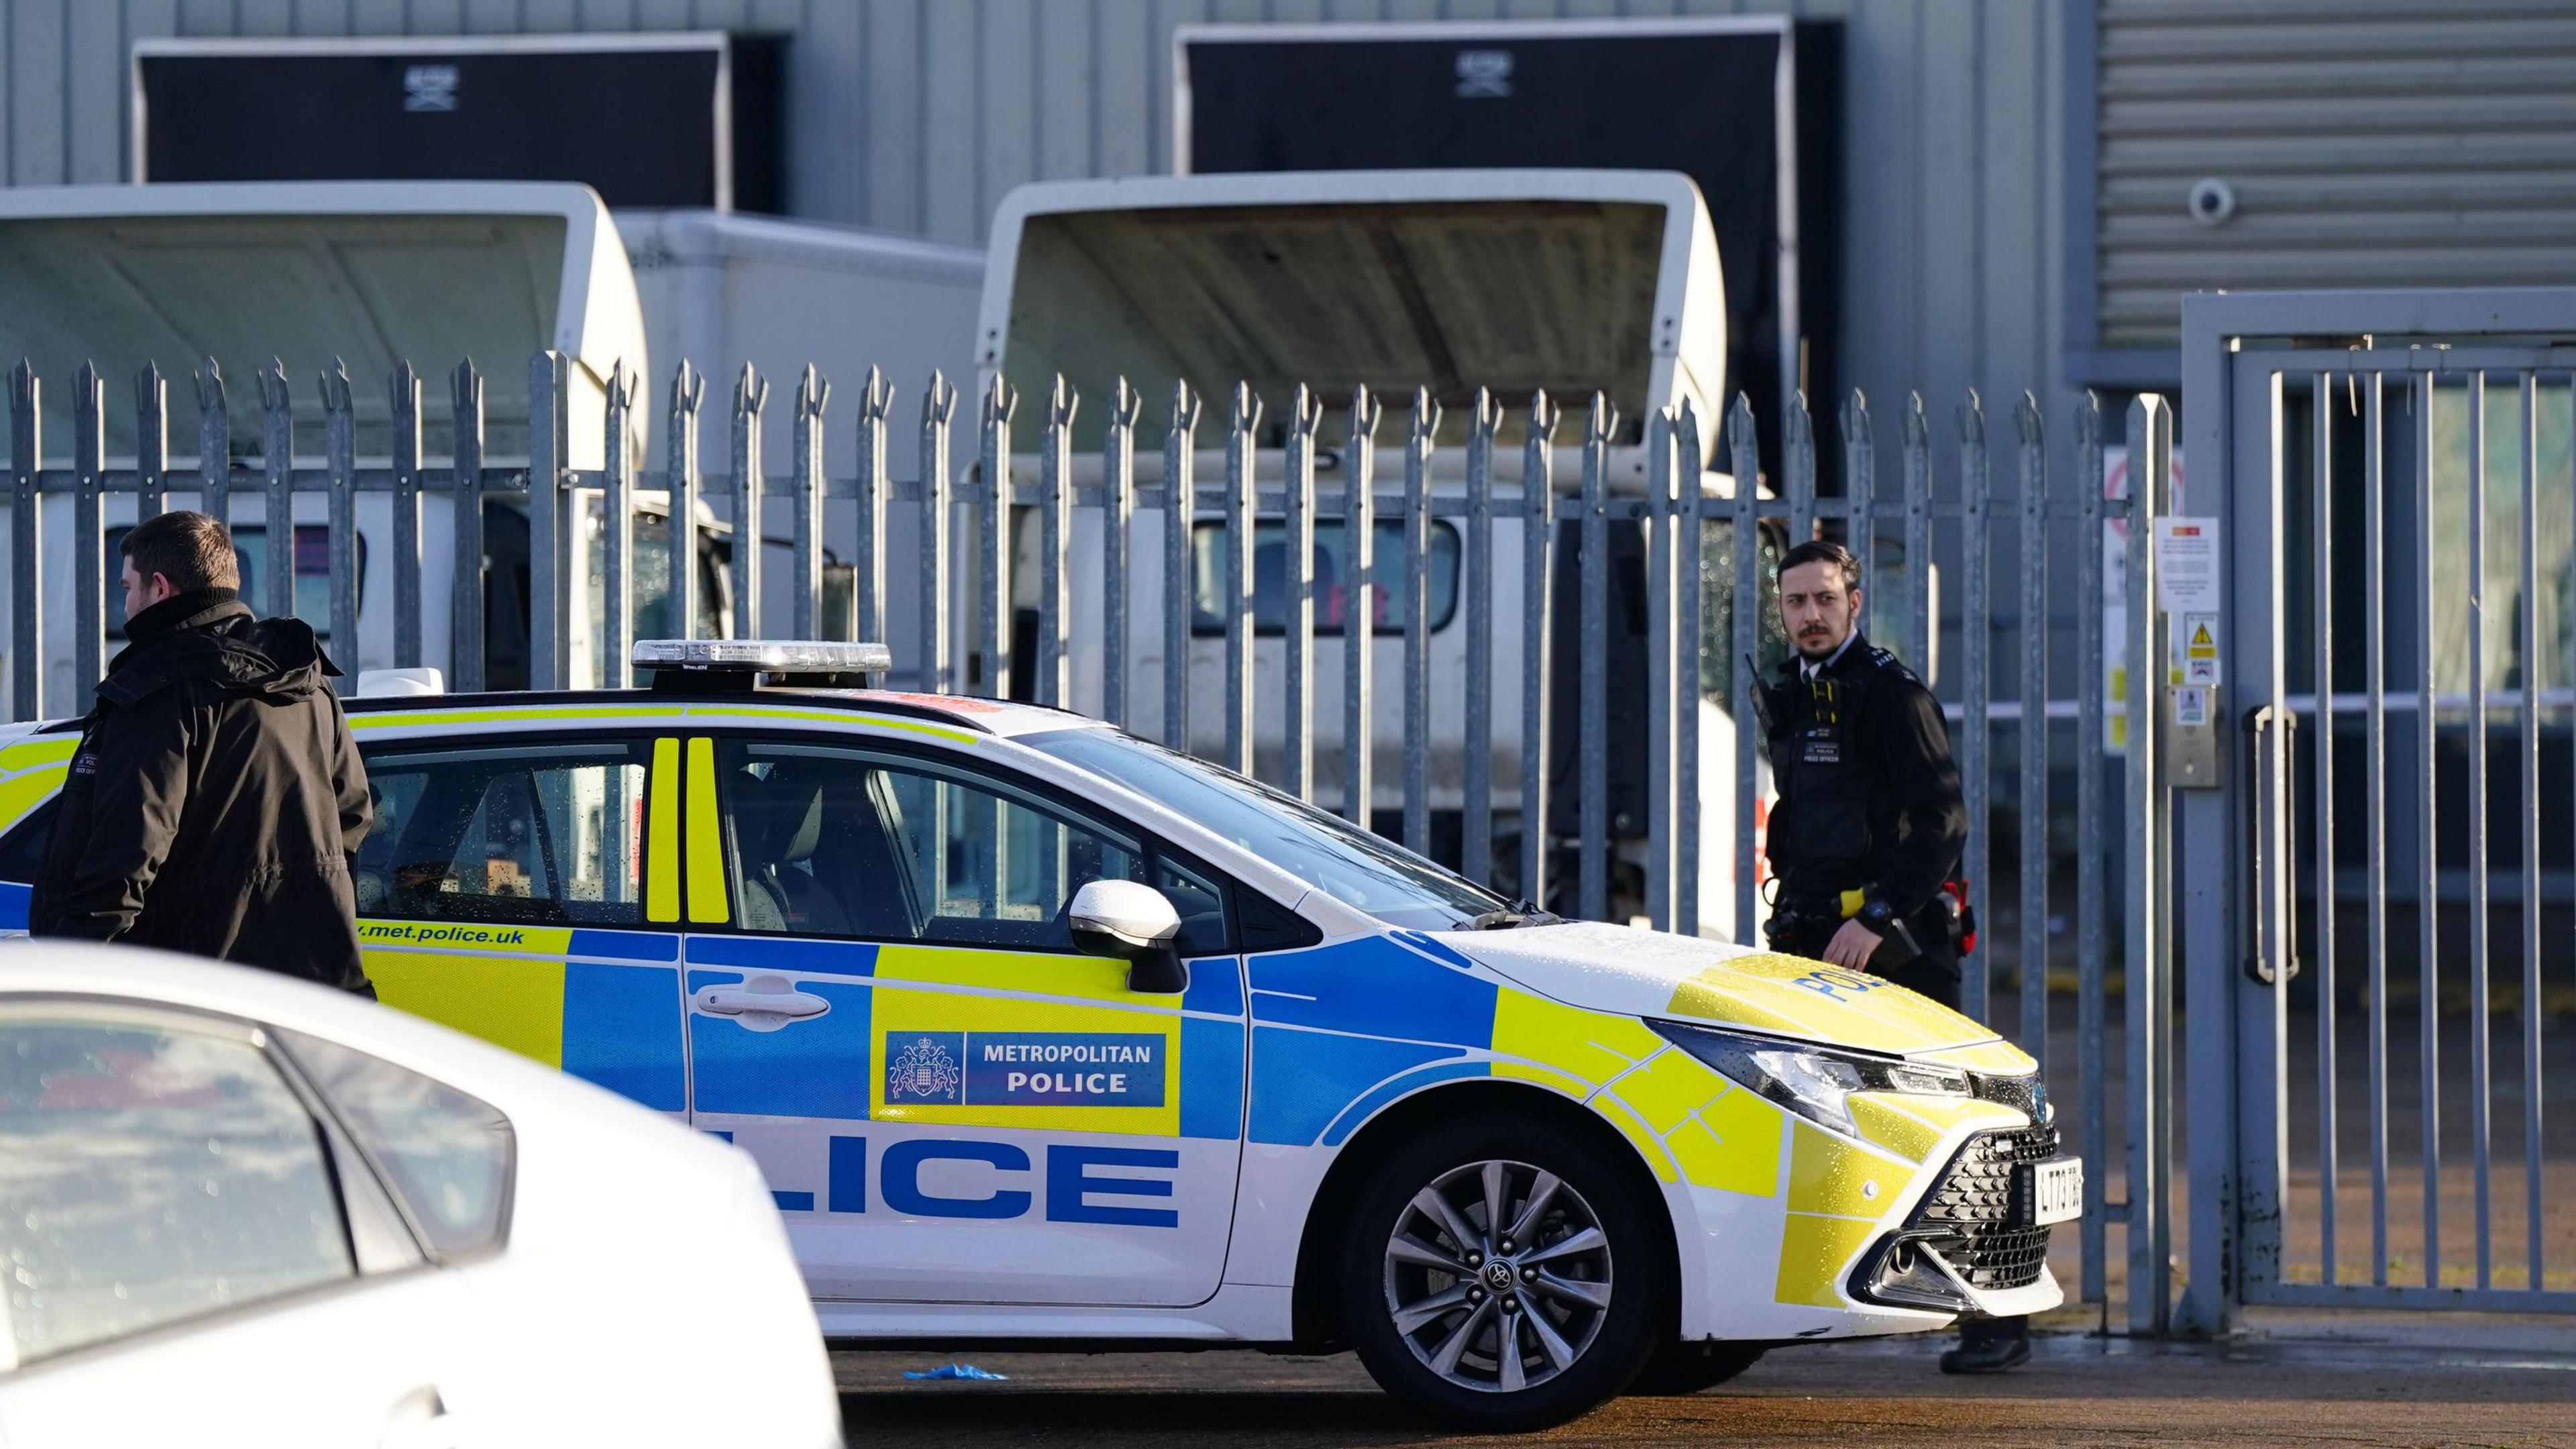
<point>1476,845</point>
<point>214,444</point>
<point>1744,650</point>
<point>548,452</point>
<point>876,401</point>
<point>617,522</point>
<point>1657,527</point>
<point>1800,464</point>
<point>681,488</point>
<point>1689,651</point>
<point>1359,609</point>
<point>1180,507</point>
<point>1976,631</point>
<point>1117,508</point>
<point>1417,622</point>
<point>26,537</point>
<point>938,411</point>
<point>993,524</point>
<point>1918,538</point>
<point>1297,601</point>
<point>2480,1075</point>
<point>1538,562</point>
<point>2032,738</point>
<point>1860,493</point>
<point>1240,515</point>
<point>1592,733</point>
<point>465,608</point>
<point>89,554</point>
<point>2374,605</point>
<point>340,450</point>
<point>805,505</point>
<point>2321,522</point>
<point>277,460</point>
<point>750,396</point>
<point>2428,899</point>
<point>151,443</point>
<point>2529,669</point>
<point>1055,536</point>
<point>405,387</point>
<point>2090,990</point>
<point>2150,429</point>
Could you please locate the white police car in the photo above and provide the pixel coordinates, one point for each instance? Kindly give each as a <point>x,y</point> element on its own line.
<point>1043,1033</point>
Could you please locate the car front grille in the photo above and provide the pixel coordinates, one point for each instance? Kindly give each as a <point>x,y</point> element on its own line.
<point>1967,1216</point>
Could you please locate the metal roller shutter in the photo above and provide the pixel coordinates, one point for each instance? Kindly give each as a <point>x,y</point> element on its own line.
<point>2327,143</point>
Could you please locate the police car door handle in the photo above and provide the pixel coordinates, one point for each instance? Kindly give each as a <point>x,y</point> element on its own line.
<point>750,1003</point>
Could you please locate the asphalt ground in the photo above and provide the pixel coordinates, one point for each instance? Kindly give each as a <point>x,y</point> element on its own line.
<point>2077,1390</point>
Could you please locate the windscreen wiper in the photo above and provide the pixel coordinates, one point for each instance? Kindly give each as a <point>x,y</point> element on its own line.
<point>1519,913</point>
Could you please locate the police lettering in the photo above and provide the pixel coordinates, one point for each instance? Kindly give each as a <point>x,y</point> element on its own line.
<point>1833,983</point>
<point>1077,1180</point>
<point>1068,1084</point>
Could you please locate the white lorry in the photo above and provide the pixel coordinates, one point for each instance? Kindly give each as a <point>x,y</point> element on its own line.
<point>1571,281</point>
<point>372,273</point>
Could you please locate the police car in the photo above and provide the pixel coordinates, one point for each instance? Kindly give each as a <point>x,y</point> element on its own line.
<point>1043,1033</point>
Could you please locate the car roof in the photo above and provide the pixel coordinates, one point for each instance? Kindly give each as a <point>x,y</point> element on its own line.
<point>1002,718</point>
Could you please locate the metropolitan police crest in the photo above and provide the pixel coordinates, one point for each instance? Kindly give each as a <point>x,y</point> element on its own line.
<point>924,1070</point>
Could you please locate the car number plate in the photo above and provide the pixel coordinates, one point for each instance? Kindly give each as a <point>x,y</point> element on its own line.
<point>2056,1191</point>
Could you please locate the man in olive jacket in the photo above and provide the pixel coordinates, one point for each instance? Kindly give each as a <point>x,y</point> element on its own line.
<point>216,795</point>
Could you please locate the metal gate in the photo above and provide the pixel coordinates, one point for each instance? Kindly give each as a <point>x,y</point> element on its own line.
<point>1576,745</point>
<point>2377,920</point>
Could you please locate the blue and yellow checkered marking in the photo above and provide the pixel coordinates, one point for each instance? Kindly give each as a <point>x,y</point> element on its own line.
<point>885,998</point>
<point>602,1005</point>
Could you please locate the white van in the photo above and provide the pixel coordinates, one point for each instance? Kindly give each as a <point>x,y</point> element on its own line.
<point>371,273</point>
<point>1513,280</point>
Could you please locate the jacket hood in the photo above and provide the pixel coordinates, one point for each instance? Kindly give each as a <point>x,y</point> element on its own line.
<point>1656,974</point>
<point>274,659</point>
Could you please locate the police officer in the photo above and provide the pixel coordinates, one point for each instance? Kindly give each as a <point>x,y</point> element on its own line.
<point>1867,832</point>
<point>216,792</point>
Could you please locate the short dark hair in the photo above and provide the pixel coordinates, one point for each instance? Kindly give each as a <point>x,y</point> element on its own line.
<point>191,550</point>
<point>1824,551</point>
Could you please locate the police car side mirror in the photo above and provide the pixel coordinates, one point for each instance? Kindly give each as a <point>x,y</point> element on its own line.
<point>1135,923</point>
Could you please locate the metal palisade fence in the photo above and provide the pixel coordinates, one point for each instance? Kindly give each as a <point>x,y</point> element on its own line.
<point>1651,572</point>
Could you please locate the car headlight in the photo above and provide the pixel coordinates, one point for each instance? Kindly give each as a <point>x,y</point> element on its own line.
<point>1813,1081</point>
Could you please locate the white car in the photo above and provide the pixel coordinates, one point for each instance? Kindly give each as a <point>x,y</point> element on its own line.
<point>239,1209</point>
<point>1045,1034</point>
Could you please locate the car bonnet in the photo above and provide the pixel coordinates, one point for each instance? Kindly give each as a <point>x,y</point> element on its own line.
<point>1654,974</point>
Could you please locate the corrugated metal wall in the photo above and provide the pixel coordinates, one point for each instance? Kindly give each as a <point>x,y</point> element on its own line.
<point>916,115</point>
<point>2383,143</point>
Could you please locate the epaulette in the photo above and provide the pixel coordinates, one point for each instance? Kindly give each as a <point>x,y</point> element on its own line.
<point>1889,662</point>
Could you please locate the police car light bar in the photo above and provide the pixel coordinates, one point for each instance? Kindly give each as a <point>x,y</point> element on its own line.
<point>762,656</point>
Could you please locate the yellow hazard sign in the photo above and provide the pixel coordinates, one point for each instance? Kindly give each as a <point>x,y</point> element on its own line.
<point>2200,649</point>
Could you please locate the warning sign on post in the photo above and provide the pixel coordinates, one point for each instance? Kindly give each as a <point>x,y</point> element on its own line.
<point>2200,649</point>
<point>2186,565</point>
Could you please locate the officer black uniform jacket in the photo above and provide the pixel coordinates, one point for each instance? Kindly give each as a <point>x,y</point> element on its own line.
<point>1869,796</point>
<point>214,800</point>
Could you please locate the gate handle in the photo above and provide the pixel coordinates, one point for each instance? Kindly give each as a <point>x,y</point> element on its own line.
<point>2259,722</point>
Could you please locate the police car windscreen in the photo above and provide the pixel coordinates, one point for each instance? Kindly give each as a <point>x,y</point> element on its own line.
<point>1354,867</point>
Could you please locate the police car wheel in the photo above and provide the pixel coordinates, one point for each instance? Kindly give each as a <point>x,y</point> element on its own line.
<point>1501,1275</point>
<point>1681,1369</point>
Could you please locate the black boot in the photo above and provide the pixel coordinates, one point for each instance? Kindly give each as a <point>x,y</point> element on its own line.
<point>1989,1346</point>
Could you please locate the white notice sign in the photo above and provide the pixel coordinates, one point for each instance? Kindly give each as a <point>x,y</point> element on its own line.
<point>2187,565</point>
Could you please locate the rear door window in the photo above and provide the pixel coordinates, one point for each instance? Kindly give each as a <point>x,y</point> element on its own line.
<point>151,1174</point>
<point>525,833</point>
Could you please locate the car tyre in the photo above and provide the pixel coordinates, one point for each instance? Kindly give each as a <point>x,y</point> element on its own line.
<point>1682,1369</point>
<point>1575,1274</point>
